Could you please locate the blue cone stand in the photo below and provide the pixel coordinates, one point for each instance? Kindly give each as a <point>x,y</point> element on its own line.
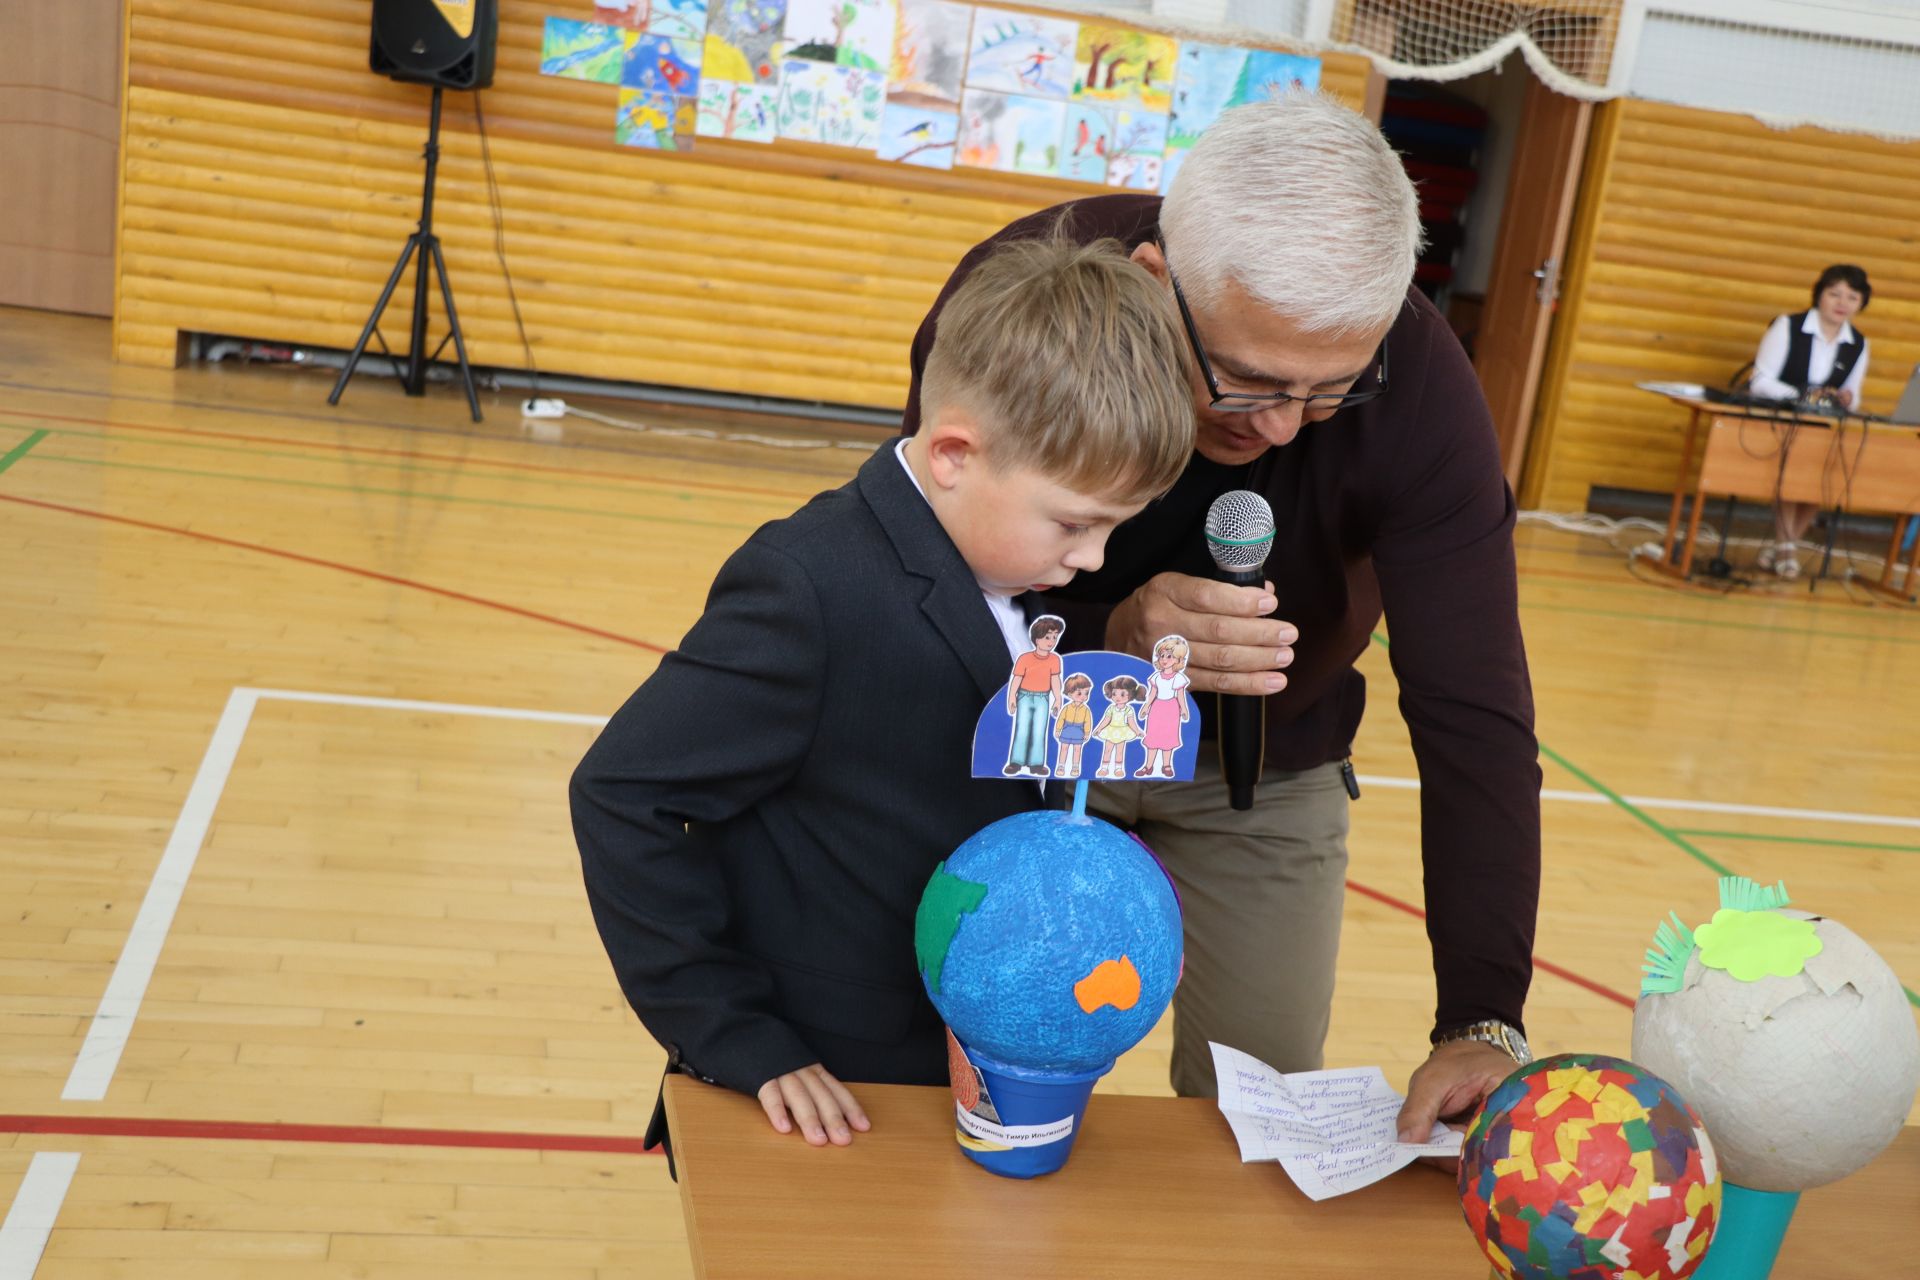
<point>1752,1225</point>
<point>1044,1110</point>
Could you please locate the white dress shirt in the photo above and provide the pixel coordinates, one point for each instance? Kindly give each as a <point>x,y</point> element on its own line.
<point>1772,357</point>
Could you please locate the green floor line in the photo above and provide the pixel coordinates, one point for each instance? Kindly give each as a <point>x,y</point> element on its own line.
<point>1775,839</point>
<point>1726,624</point>
<point>1653,824</point>
<point>657,489</point>
<point>501,503</point>
<point>19,451</point>
<point>1626,581</point>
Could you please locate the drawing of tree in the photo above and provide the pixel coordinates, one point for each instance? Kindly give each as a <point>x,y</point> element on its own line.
<point>1093,65</point>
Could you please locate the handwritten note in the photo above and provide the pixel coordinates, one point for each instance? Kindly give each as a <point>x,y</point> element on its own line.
<point>1332,1131</point>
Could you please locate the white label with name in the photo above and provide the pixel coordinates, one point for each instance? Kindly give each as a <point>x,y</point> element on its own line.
<point>1029,1135</point>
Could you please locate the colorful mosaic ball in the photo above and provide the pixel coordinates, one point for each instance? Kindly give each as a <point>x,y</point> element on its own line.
<point>1050,941</point>
<point>1584,1167</point>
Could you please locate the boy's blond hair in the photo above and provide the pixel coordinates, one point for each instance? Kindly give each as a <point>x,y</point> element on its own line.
<point>1072,360</point>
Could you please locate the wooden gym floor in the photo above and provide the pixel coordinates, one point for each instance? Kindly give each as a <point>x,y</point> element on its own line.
<point>292,695</point>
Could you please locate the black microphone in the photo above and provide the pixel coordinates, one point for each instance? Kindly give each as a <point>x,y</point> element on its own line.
<point>1239,536</point>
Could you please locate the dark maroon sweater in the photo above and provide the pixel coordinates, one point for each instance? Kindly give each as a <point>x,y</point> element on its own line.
<point>1399,503</point>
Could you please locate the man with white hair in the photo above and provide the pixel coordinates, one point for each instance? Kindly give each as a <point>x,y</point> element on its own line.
<point>1324,382</point>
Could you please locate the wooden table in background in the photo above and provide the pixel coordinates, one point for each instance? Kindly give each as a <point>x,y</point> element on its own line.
<point>1155,1188</point>
<point>1867,466</point>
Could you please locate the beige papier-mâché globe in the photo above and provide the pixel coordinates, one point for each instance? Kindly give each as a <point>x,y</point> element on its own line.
<point>1790,1036</point>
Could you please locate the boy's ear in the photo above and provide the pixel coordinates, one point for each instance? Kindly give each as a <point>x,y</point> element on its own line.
<point>1147,254</point>
<point>954,444</point>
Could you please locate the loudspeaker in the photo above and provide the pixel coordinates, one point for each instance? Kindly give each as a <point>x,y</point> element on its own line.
<point>439,42</point>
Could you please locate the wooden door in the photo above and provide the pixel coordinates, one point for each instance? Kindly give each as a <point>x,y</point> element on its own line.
<point>1524,285</point>
<point>60,133</point>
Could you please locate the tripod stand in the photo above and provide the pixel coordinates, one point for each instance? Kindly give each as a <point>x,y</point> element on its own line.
<point>423,242</point>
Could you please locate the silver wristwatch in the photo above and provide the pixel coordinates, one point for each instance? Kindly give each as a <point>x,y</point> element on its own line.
<point>1496,1033</point>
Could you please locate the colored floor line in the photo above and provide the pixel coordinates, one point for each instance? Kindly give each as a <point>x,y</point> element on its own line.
<point>1545,965</point>
<point>111,428</point>
<point>1807,840</point>
<point>382,424</point>
<point>1651,823</point>
<point>1571,796</point>
<point>1726,624</point>
<point>1640,815</point>
<point>413,494</point>
<point>656,489</point>
<point>358,1135</point>
<point>356,570</point>
<point>1622,578</point>
<point>36,1207</point>
<point>19,451</point>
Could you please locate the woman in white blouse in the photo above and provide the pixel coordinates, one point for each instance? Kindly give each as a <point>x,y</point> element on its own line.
<point>1813,355</point>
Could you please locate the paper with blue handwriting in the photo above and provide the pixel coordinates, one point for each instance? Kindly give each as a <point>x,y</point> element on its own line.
<point>1332,1131</point>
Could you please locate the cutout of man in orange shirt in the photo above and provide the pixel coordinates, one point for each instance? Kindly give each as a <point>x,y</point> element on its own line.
<point>1033,696</point>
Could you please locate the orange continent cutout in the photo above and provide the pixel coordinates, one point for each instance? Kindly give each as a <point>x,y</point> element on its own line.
<point>1112,982</point>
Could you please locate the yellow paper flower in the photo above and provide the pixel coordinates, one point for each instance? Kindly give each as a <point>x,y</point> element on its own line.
<point>1752,945</point>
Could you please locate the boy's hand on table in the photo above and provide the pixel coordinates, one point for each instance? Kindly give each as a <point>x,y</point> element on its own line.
<point>818,1104</point>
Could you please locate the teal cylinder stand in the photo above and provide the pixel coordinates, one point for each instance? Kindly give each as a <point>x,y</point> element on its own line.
<point>1752,1225</point>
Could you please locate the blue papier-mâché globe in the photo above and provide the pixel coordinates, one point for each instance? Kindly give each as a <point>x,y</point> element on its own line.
<point>1050,941</point>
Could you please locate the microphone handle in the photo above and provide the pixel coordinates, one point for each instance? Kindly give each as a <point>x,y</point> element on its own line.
<point>1243,723</point>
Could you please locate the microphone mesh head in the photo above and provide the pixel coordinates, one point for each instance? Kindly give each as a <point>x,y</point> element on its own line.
<point>1239,530</point>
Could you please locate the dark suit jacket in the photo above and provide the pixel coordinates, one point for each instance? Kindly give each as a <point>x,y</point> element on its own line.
<point>756,824</point>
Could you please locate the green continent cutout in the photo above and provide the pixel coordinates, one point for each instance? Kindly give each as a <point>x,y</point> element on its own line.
<point>948,898</point>
<point>1751,945</point>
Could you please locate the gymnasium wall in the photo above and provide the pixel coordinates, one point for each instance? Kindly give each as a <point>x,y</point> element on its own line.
<point>59,122</point>
<point>269,181</point>
<point>1695,229</point>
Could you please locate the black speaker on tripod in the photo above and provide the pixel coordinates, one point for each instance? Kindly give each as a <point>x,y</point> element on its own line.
<point>447,44</point>
<point>439,42</point>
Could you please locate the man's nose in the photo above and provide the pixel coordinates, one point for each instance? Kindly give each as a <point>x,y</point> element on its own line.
<point>1281,423</point>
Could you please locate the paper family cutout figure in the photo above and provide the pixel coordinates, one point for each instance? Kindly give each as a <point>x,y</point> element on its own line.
<point>1050,941</point>
<point>1059,708</point>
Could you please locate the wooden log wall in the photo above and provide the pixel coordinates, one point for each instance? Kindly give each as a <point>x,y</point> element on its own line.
<point>269,180</point>
<point>1695,230</point>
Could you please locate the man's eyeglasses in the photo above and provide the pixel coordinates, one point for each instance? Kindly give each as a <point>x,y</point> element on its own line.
<point>1236,402</point>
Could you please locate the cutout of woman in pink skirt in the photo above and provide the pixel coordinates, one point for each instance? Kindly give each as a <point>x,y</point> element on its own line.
<point>1165,708</point>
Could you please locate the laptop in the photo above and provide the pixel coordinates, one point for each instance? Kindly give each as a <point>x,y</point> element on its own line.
<point>1907,412</point>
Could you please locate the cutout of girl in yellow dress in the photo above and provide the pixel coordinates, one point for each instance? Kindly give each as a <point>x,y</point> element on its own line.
<point>1118,726</point>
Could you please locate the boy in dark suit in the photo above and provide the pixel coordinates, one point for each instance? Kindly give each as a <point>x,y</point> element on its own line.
<point>757,822</point>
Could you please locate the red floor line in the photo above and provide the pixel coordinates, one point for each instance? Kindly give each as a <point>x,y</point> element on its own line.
<point>1548,965</point>
<point>375,574</point>
<point>413,455</point>
<point>367,1135</point>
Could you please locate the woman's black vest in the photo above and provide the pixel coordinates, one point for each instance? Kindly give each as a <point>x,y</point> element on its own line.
<point>1800,355</point>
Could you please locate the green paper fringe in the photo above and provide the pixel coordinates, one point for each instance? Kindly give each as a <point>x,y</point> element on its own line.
<point>1737,893</point>
<point>1666,966</point>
